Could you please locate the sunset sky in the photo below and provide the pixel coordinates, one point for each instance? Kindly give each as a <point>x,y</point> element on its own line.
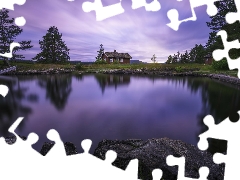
<point>137,32</point>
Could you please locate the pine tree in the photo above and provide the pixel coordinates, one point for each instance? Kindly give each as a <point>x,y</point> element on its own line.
<point>100,53</point>
<point>218,22</point>
<point>169,60</point>
<point>197,54</point>
<point>8,33</point>
<point>54,49</point>
<point>153,59</point>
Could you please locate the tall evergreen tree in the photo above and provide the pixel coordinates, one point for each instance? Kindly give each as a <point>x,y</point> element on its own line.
<point>218,22</point>
<point>100,53</point>
<point>8,33</point>
<point>54,49</point>
<point>197,54</point>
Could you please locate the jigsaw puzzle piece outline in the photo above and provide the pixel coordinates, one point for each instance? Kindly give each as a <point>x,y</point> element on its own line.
<point>180,162</point>
<point>9,4</point>
<point>4,90</point>
<point>232,17</point>
<point>12,46</point>
<point>219,54</point>
<point>103,12</point>
<point>233,148</point>
<point>173,14</point>
<point>93,163</point>
<point>153,6</point>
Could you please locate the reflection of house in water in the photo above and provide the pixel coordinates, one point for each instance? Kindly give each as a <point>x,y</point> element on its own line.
<point>112,80</point>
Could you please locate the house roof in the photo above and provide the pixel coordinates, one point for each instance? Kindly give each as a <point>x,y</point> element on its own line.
<point>117,55</point>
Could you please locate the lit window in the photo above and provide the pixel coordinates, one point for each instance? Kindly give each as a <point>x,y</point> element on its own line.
<point>121,60</point>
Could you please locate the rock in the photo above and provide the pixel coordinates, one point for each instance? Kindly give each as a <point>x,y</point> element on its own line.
<point>69,147</point>
<point>12,139</point>
<point>152,154</point>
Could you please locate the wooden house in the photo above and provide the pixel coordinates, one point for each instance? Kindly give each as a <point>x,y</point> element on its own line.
<point>122,58</point>
<point>208,59</point>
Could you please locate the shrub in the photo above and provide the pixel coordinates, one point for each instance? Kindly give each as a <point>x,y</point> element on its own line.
<point>179,69</point>
<point>116,62</point>
<point>100,61</point>
<point>79,66</point>
<point>220,65</point>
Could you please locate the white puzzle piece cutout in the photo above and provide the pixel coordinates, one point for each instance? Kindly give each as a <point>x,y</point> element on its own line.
<point>173,14</point>
<point>3,90</point>
<point>226,130</point>
<point>9,4</point>
<point>103,12</point>
<point>180,162</point>
<point>19,21</point>
<point>219,54</point>
<point>153,6</point>
<point>12,46</point>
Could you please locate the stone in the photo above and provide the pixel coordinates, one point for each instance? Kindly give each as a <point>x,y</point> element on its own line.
<point>152,154</point>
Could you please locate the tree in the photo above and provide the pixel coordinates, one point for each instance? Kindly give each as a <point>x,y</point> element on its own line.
<point>197,54</point>
<point>100,53</point>
<point>54,49</point>
<point>169,60</point>
<point>24,45</point>
<point>99,59</point>
<point>218,22</point>
<point>8,33</point>
<point>153,59</point>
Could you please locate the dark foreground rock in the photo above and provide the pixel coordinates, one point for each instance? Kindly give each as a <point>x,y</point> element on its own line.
<point>152,154</point>
<point>70,148</point>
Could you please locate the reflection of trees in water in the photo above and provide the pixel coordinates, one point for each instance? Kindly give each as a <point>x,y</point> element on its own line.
<point>219,99</point>
<point>58,88</point>
<point>12,107</point>
<point>79,77</point>
<point>109,80</point>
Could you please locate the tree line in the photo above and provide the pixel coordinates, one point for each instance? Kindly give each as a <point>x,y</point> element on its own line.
<point>216,23</point>
<point>195,55</point>
<point>53,48</point>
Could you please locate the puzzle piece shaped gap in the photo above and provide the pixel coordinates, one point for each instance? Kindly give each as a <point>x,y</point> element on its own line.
<point>9,4</point>
<point>101,11</point>
<point>229,131</point>
<point>173,14</point>
<point>180,162</point>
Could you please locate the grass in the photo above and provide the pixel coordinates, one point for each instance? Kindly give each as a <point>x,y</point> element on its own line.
<point>201,68</point>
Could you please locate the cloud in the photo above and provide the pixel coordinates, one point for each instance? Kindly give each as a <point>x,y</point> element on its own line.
<point>138,32</point>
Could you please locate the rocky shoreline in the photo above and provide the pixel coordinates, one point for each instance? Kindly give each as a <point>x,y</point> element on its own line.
<point>166,72</point>
<point>151,155</point>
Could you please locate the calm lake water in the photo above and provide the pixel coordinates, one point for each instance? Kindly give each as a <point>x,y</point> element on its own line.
<point>115,107</point>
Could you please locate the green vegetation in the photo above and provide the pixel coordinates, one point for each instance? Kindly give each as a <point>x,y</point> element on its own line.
<point>79,66</point>
<point>54,49</point>
<point>100,61</point>
<point>217,23</point>
<point>9,32</point>
<point>220,65</point>
<point>174,68</point>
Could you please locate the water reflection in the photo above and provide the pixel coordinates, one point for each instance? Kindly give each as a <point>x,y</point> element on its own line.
<point>219,99</point>
<point>144,107</point>
<point>58,88</point>
<point>13,105</point>
<point>111,81</point>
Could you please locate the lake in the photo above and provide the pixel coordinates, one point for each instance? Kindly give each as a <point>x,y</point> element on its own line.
<point>98,106</point>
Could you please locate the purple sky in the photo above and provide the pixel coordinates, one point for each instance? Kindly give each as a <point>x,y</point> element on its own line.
<point>137,32</point>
